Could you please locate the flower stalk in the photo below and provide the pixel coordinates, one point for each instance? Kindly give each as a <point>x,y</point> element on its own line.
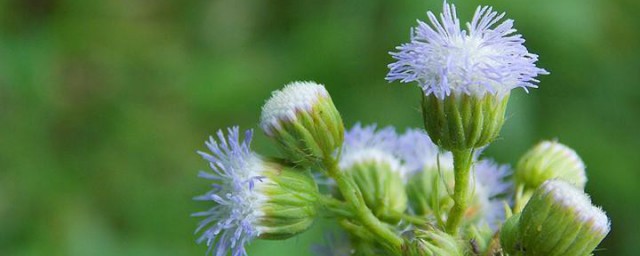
<point>462,162</point>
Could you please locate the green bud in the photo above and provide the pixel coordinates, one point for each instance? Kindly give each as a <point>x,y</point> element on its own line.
<point>461,121</point>
<point>290,200</point>
<point>427,192</point>
<point>510,236</point>
<point>550,160</point>
<point>302,119</point>
<point>432,242</point>
<point>560,220</point>
<point>378,175</point>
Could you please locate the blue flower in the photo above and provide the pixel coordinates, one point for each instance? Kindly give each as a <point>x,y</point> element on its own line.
<point>230,224</point>
<point>486,57</point>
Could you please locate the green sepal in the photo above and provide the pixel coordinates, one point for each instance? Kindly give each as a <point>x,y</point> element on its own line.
<point>291,201</point>
<point>461,121</point>
<point>314,136</point>
<point>382,188</point>
<point>559,220</point>
<point>510,235</point>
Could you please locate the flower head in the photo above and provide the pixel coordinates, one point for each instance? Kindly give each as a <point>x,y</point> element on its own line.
<point>230,224</point>
<point>561,220</point>
<point>304,122</point>
<point>487,56</point>
<point>285,104</point>
<point>550,160</point>
<point>254,197</point>
<point>368,155</point>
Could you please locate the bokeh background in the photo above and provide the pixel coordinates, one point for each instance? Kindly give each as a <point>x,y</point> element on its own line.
<point>104,103</point>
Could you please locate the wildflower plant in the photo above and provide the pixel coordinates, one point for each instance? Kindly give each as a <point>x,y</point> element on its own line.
<point>416,192</point>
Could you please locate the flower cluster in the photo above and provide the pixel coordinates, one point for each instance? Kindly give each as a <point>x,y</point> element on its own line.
<point>424,191</point>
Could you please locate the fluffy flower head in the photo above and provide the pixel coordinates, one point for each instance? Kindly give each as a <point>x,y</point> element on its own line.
<point>235,175</point>
<point>487,56</point>
<point>284,104</point>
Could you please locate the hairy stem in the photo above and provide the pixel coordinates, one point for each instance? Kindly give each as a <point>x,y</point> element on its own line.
<point>462,161</point>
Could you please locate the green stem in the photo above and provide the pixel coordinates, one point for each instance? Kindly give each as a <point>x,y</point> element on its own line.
<point>353,196</point>
<point>336,207</point>
<point>415,220</point>
<point>462,161</point>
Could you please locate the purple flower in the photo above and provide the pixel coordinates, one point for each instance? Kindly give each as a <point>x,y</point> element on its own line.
<point>486,57</point>
<point>230,224</point>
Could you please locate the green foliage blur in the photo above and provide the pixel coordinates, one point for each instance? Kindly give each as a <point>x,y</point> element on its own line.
<point>104,103</point>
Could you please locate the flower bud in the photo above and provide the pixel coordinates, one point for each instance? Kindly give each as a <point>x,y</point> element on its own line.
<point>427,192</point>
<point>368,157</point>
<point>510,236</point>
<point>431,243</point>
<point>560,220</point>
<point>463,121</point>
<point>379,178</point>
<point>304,122</point>
<point>550,160</point>
<point>289,205</point>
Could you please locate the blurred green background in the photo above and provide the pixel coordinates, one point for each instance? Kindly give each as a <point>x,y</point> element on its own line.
<point>104,103</point>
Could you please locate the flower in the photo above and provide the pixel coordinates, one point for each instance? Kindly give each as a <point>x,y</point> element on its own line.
<point>486,57</point>
<point>304,122</point>
<point>561,220</point>
<point>230,224</point>
<point>550,160</point>
<point>286,103</point>
<point>254,197</point>
<point>368,156</point>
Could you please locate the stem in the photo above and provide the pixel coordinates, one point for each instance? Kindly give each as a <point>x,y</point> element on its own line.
<point>353,196</point>
<point>415,220</point>
<point>336,207</point>
<point>462,161</point>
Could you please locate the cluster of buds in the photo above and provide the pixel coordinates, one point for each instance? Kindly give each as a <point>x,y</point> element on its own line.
<point>420,192</point>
